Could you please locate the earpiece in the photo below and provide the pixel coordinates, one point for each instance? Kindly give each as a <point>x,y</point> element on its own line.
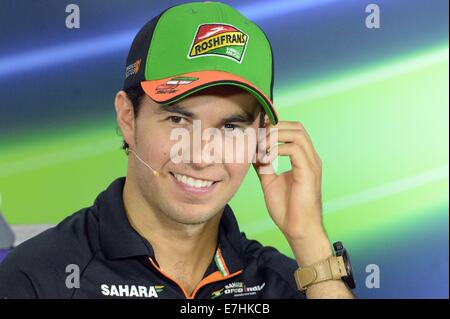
<point>155,172</point>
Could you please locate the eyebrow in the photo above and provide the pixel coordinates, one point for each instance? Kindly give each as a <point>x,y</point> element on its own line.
<point>242,117</point>
<point>174,108</point>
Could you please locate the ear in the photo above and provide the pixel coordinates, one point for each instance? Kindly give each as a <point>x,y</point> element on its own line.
<point>125,117</point>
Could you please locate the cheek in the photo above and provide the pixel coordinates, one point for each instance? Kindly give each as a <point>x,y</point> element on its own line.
<point>160,150</point>
<point>239,150</point>
<point>156,145</point>
<point>237,172</point>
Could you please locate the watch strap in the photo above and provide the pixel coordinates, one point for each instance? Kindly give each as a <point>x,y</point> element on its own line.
<point>332,268</point>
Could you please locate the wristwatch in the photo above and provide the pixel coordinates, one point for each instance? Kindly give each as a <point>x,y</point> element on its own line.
<point>333,268</point>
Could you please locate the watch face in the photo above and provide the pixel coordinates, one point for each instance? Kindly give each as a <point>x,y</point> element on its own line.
<point>349,280</point>
<point>341,251</point>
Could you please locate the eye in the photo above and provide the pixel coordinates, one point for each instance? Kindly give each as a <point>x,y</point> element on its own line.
<point>175,119</point>
<point>231,127</point>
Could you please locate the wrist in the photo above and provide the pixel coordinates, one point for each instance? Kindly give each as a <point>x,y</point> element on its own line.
<point>311,250</point>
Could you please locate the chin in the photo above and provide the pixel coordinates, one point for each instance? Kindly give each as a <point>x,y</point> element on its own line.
<point>191,214</point>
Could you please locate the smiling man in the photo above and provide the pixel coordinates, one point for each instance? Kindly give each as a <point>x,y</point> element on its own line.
<point>166,230</point>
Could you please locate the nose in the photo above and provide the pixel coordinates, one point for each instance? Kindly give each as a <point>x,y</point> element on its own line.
<point>204,153</point>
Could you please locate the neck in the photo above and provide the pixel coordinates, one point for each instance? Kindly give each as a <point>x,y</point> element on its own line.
<point>182,251</point>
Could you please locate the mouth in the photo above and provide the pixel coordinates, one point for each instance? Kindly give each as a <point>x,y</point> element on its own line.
<point>193,185</point>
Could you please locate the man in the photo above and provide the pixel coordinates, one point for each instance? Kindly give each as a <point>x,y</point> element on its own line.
<point>166,231</point>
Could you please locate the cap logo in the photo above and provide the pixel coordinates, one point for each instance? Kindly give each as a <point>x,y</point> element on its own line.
<point>170,86</point>
<point>133,68</point>
<point>220,40</point>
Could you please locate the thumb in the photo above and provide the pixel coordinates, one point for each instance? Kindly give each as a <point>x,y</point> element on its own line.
<point>265,172</point>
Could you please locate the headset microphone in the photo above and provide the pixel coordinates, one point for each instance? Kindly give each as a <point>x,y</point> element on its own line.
<point>155,172</point>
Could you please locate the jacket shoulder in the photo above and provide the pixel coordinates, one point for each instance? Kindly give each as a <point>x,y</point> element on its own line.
<point>40,263</point>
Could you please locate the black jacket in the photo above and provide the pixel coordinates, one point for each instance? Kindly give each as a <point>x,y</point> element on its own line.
<point>95,253</point>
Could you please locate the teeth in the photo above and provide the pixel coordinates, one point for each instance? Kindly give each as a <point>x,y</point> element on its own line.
<point>197,183</point>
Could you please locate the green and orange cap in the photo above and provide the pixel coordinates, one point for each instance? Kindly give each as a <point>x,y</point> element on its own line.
<point>193,46</point>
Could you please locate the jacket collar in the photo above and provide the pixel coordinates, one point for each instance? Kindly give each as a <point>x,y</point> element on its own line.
<point>118,239</point>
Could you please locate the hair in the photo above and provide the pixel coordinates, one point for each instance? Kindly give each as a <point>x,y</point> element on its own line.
<point>136,94</point>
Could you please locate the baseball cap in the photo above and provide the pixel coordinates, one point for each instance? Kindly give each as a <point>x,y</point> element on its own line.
<point>193,46</point>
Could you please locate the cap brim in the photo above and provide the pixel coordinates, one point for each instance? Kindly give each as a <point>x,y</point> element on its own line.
<point>174,88</point>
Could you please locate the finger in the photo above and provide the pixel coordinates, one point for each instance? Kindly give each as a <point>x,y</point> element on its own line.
<point>265,173</point>
<point>291,125</point>
<point>266,138</point>
<point>297,137</point>
<point>300,163</point>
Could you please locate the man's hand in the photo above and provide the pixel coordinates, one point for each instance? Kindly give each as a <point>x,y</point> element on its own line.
<point>294,200</point>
